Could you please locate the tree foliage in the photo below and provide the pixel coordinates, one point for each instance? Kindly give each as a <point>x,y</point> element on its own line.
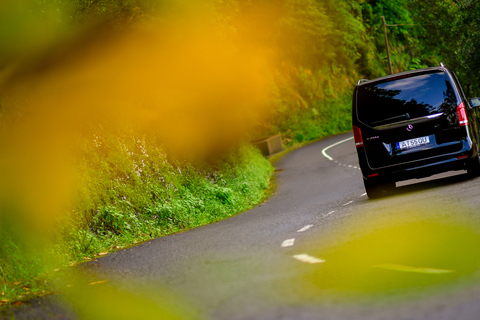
<point>466,28</point>
<point>449,32</point>
<point>318,48</point>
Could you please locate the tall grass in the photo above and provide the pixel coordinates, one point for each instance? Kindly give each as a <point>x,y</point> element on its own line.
<point>131,190</point>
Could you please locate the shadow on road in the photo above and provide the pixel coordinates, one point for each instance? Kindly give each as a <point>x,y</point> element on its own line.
<point>433,182</point>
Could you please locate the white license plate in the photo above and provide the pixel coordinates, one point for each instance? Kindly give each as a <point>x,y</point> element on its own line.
<point>412,143</point>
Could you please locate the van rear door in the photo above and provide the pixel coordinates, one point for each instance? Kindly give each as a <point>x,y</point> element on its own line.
<point>408,118</point>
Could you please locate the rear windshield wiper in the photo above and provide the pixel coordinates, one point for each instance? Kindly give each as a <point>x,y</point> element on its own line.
<point>398,124</point>
<point>401,117</point>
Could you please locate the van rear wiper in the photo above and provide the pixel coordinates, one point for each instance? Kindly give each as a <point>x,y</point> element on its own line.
<point>401,123</point>
<point>401,117</point>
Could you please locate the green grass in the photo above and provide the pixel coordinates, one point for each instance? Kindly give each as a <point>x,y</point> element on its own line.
<point>21,271</point>
<point>149,195</point>
<point>130,192</point>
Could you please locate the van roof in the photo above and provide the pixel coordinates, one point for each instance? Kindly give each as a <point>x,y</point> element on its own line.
<point>401,75</point>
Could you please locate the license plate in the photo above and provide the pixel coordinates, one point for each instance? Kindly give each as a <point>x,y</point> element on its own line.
<point>412,143</point>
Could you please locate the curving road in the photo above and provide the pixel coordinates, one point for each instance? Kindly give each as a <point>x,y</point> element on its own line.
<point>319,249</point>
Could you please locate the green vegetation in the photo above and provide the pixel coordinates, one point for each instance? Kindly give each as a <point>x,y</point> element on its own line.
<point>132,179</point>
<point>148,195</point>
<point>130,192</point>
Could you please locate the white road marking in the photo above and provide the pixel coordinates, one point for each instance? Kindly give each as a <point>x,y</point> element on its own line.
<point>308,259</point>
<point>324,151</point>
<point>363,195</point>
<point>404,268</point>
<point>288,243</point>
<point>305,228</point>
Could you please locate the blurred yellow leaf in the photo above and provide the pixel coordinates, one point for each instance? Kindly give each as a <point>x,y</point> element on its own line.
<point>108,302</point>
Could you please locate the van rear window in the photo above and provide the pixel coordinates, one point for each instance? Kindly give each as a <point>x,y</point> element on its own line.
<point>405,98</point>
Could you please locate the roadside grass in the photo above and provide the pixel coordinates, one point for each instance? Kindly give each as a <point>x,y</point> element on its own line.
<point>150,195</point>
<point>130,192</point>
<point>19,273</point>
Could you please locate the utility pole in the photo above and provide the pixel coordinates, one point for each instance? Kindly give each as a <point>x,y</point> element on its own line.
<point>386,45</point>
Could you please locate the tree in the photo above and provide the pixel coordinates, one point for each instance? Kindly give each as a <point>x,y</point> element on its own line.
<point>467,29</point>
<point>451,34</point>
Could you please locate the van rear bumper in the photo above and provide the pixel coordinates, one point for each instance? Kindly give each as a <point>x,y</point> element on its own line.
<point>420,168</point>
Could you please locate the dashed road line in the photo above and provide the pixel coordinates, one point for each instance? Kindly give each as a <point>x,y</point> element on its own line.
<point>288,243</point>
<point>313,260</point>
<point>307,259</point>
<point>305,228</point>
<point>404,268</point>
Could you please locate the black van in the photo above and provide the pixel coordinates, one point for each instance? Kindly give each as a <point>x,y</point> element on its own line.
<point>412,125</point>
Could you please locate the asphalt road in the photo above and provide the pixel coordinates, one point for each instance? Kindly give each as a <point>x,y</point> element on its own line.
<point>317,249</point>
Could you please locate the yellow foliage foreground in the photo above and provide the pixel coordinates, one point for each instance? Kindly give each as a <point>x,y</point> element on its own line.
<point>178,80</point>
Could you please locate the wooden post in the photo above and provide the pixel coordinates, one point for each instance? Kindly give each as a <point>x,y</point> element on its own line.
<point>386,45</point>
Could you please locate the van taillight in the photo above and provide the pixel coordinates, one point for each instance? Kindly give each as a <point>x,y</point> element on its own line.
<point>357,134</point>
<point>462,115</point>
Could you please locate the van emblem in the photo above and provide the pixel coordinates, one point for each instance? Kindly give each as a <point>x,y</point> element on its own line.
<point>409,127</point>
